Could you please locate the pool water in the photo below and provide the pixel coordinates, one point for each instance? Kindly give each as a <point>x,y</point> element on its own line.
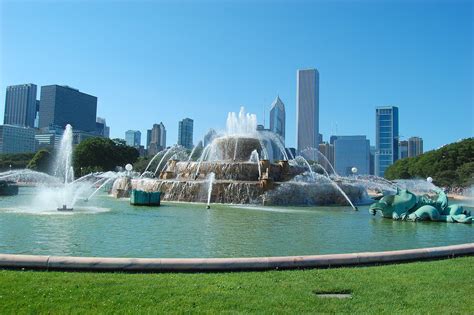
<point>105,226</point>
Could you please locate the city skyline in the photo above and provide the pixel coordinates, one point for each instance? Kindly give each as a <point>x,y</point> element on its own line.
<point>385,65</point>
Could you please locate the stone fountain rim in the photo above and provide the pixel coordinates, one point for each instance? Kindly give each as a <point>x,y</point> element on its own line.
<point>111,264</point>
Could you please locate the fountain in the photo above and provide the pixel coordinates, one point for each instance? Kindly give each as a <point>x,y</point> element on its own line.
<point>209,193</point>
<point>244,172</point>
<point>60,191</point>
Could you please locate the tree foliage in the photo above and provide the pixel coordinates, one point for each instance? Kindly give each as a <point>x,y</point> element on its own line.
<point>102,154</point>
<point>141,164</point>
<point>41,161</point>
<point>451,165</point>
<point>18,160</point>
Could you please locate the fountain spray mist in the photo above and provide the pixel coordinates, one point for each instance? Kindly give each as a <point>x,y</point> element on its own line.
<point>212,177</point>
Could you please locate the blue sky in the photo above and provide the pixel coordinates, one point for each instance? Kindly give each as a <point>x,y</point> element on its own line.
<point>152,61</point>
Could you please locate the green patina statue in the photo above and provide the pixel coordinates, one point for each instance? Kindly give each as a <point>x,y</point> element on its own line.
<point>405,205</point>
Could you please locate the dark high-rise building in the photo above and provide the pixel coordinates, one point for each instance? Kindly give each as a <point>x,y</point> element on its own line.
<point>16,139</point>
<point>133,138</point>
<point>62,105</point>
<point>372,160</point>
<point>148,138</point>
<point>185,133</point>
<point>327,149</point>
<point>20,105</point>
<point>351,152</point>
<point>101,128</point>
<point>402,149</point>
<point>156,138</point>
<point>415,146</point>
<point>386,138</point>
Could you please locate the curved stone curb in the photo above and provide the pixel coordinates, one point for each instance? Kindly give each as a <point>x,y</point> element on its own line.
<point>229,264</point>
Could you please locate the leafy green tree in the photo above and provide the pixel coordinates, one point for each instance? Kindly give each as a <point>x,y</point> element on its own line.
<point>465,174</point>
<point>141,164</point>
<point>102,154</point>
<point>41,161</point>
<point>17,160</point>
<point>450,165</point>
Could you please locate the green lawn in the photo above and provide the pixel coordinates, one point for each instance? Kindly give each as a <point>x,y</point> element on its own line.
<point>428,287</point>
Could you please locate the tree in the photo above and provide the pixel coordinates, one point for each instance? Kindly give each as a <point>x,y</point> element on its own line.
<point>41,161</point>
<point>16,160</point>
<point>465,174</point>
<point>450,165</point>
<point>102,154</point>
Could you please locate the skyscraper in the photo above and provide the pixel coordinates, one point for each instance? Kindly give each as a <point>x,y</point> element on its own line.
<point>148,138</point>
<point>16,139</point>
<point>133,138</point>
<point>156,138</point>
<point>402,149</point>
<point>307,110</point>
<point>327,149</point>
<point>101,127</point>
<point>185,133</point>
<point>62,105</point>
<point>209,137</point>
<point>349,152</point>
<point>20,105</point>
<point>386,138</point>
<point>277,118</point>
<point>415,146</point>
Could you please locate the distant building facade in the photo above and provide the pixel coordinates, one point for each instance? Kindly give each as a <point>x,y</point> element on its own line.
<point>415,146</point>
<point>278,118</point>
<point>17,139</point>
<point>156,138</point>
<point>101,127</point>
<point>402,149</point>
<point>349,152</point>
<point>185,133</point>
<point>209,137</point>
<point>62,105</point>
<point>372,160</point>
<point>386,138</point>
<point>148,138</point>
<point>133,138</point>
<point>327,149</point>
<point>20,105</point>
<point>307,110</point>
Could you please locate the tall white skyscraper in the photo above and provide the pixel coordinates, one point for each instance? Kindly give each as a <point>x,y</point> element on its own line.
<point>277,118</point>
<point>307,110</point>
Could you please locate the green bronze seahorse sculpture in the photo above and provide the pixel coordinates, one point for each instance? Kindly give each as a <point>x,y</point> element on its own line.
<point>405,205</point>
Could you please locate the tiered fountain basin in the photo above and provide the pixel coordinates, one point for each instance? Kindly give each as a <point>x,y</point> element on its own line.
<point>238,180</point>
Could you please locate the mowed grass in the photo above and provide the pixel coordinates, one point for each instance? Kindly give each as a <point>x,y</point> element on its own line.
<point>444,286</point>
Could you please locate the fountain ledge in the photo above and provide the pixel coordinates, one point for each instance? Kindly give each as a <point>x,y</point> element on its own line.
<point>66,263</point>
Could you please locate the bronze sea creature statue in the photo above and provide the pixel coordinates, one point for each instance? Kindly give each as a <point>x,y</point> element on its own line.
<point>405,205</point>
